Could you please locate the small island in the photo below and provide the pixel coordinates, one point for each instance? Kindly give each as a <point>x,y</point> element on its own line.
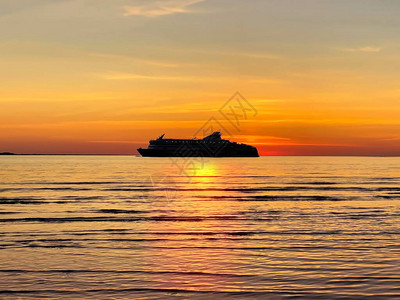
<point>7,153</point>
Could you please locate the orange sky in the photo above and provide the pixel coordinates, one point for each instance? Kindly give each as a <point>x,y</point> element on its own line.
<point>103,78</point>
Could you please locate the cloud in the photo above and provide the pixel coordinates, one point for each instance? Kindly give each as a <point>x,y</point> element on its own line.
<point>159,8</point>
<point>157,63</point>
<point>132,76</point>
<point>370,49</point>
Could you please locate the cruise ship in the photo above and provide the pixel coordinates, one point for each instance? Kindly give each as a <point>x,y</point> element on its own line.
<point>210,146</point>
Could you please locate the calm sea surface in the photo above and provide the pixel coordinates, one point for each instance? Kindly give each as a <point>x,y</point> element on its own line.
<point>126,227</point>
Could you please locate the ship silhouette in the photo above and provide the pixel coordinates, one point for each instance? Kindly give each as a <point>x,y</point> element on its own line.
<point>210,146</point>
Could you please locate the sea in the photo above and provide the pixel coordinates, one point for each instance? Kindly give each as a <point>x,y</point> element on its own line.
<point>129,227</point>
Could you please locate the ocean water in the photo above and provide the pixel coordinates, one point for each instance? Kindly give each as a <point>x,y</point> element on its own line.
<point>126,227</point>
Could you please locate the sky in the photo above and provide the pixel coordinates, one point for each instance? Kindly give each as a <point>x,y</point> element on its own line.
<point>105,76</point>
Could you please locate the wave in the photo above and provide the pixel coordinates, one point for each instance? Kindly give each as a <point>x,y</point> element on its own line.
<point>120,211</point>
<point>200,233</point>
<point>61,189</point>
<point>257,189</point>
<point>298,198</point>
<point>53,246</point>
<point>73,197</point>
<point>387,189</point>
<point>132,189</point>
<point>279,198</point>
<point>127,272</point>
<point>170,291</point>
<point>21,200</point>
<point>119,219</point>
<point>306,186</point>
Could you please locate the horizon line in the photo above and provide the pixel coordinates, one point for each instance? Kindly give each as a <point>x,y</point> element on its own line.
<point>138,155</point>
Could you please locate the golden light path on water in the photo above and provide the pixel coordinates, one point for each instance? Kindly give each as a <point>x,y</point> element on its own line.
<point>128,227</point>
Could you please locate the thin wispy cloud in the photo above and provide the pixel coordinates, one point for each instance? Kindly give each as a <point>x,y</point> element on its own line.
<point>159,8</point>
<point>133,76</point>
<point>121,76</point>
<point>370,49</point>
<point>164,64</point>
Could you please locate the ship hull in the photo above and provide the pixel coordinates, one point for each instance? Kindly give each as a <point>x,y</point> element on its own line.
<point>198,153</point>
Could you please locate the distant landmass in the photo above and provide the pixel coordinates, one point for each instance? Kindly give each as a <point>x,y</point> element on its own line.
<point>7,153</point>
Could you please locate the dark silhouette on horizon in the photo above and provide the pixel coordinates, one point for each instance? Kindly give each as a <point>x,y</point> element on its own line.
<point>210,146</point>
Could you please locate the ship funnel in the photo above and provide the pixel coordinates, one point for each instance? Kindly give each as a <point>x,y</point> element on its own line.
<point>216,135</point>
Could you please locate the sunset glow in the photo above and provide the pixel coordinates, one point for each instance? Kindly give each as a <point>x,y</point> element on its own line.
<point>103,77</point>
